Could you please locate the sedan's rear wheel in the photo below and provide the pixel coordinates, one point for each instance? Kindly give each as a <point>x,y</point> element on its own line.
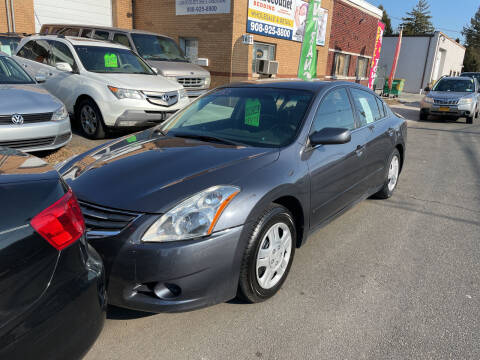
<point>268,256</point>
<point>91,120</point>
<point>391,181</point>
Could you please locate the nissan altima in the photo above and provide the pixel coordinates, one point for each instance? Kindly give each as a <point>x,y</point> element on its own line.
<point>213,203</point>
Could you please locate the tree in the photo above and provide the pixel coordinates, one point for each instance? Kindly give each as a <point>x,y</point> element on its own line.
<point>386,20</point>
<point>418,21</point>
<point>472,43</point>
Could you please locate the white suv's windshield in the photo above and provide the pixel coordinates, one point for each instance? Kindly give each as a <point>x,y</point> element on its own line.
<point>111,60</point>
<point>265,117</point>
<point>154,47</point>
<point>12,73</point>
<point>455,85</point>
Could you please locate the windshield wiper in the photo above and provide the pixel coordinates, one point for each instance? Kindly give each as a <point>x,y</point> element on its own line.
<point>207,138</point>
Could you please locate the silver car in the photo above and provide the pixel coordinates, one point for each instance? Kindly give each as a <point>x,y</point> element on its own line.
<point>453,97</point>
<point>31,119</point>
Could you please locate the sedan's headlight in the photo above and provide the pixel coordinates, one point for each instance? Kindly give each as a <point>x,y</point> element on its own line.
<point>182,93</point>
<point>428,100</point>
<point>60,114</point>
<point>126,93</point>
<point>194,217</point>
<point>465,101</point>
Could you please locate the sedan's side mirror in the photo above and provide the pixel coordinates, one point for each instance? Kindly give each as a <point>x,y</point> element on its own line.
<point>40,78</point>
<point>62,66</point>
<point>330,136</point>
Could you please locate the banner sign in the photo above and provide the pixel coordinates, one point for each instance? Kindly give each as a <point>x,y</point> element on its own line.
<point>202,7</point>
<point>283,19</point>
<point>376,54</point>
<point>307,68</point>
<point>395,60</point>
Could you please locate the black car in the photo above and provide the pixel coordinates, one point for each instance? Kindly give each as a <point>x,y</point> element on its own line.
<point>52,293</point>
<point>213,203</point>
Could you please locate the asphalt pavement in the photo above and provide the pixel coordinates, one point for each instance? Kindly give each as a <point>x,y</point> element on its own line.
<point>394,279</point>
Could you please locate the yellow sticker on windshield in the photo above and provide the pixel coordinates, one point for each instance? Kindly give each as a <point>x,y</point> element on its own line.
<point>111,60</point>
<point>252,112</point>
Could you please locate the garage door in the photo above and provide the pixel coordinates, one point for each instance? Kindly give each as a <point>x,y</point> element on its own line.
<point>89,12</point>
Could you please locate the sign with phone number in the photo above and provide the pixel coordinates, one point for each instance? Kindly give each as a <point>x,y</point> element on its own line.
<point>201,7</point>
<point>269,30</point>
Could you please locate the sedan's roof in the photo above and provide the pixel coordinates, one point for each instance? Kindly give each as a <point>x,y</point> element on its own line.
<point>296,84</point>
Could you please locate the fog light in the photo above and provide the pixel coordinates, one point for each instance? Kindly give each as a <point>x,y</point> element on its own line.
<point>167,291</point>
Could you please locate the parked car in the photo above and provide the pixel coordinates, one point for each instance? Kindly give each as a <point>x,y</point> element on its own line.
<point>159,51</point>
<point>31,119</point>
<point>104,85</point>
<point>52,303</point>
<point>475,75</point>
<point>218,198</point>
<point>453,97</point>
<point>9,42</point>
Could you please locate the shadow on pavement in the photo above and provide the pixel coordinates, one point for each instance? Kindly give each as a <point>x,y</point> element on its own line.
<point>117,313</point>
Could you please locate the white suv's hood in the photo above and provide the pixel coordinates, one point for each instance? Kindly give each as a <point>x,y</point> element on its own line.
<point>138,82</point>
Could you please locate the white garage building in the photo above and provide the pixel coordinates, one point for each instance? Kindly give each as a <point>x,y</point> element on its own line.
<point>423,59</point>
<point>89,12</point>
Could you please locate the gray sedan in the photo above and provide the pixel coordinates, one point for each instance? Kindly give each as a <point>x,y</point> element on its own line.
<point>214,203</point>
<point>31,119</point>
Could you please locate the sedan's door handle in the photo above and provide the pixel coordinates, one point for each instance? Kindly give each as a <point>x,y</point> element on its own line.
<point>371,127</point>
<point>360,149</point>
<point>390,132</point>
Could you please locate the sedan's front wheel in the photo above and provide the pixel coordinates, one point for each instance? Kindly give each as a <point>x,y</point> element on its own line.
<point>268,256</point>
<point>391,181</point>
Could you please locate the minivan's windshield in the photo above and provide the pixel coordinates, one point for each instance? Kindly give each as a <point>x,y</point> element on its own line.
<point>101,59</point>
<point>455,85</point>
<point>256,116</point>
<point>154,47</point>
<point>472,75</point>
<point>12,73</point>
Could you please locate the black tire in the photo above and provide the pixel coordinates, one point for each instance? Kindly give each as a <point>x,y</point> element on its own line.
<point>423,116</point>
<point>470,120</point>
<point>90,119</point>
<point>249,288</point>
<point>386,191</point>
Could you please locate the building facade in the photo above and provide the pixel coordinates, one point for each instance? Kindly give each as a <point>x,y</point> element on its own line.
<point>423,59</point>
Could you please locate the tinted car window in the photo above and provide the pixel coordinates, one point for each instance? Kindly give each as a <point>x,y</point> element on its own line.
<point>154,47</point>
<point>69,31</point>
<point>381,108</point>
<point>121,39</point>
<point>9,44</point>
<point>264,117</point>
<point>36,50</point>
<point>101,35</point>
<point>61,53</point>
<point>87,33</point>
<point>455,85</point>
<point>366,107</point>
<point>12,73</point>
<point>335,111</point>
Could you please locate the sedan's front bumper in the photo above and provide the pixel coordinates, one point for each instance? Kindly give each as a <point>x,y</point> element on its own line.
<point>49,135</point>
<point>170,276</point>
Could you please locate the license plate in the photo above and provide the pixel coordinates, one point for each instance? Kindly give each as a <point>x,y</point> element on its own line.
<point>444,108</point>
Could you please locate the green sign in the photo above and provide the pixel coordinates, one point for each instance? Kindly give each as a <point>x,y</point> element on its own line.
<point>307,68</point>
<point>131,139</point>
<point>252,112</point>
<point>111,60</point>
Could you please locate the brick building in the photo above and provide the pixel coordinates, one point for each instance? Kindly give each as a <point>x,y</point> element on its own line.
<point>352,40</point>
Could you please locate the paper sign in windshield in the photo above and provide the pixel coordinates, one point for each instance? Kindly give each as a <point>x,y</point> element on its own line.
<point>252,112</point>
<point>6,49</point>
<point>366,110</point>
<point>111,60</point>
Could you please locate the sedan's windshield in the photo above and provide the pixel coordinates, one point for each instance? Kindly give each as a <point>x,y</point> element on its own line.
<point>266,117</point>
<point>112,60</point>
<point>12,73</point>
<point>9,44</point>
<point>154,47</point>
<point>455,85</point>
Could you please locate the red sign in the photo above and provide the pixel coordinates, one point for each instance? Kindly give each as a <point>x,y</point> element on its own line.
<point>376,54</point>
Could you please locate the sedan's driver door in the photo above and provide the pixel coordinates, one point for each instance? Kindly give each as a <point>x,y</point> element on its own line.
<point>336,171</point>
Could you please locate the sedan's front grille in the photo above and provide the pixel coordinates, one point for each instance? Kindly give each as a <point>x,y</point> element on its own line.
<point>30,143</point>
<point>193,82</point>
<point>27,118</point>
<point>101,221</point>
<point>446,101</point>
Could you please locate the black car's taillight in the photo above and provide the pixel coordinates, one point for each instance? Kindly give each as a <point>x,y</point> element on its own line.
<point>62,223</point>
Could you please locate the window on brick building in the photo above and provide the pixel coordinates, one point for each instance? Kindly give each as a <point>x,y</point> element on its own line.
<point>362,67</point>
<point>262,51</point>
<point>190,48</point>
<point>342,64</point>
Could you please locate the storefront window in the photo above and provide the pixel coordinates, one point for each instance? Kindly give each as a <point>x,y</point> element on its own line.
<point>342,64</point>
<point>362,67</point>
<point>262,51</point>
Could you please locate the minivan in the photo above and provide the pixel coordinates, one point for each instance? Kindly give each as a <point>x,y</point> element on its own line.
<point>159,51</point>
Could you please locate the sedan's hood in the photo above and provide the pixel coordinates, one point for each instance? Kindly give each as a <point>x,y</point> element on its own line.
<point>26,99</point>
<point>139,82</point>
<point>149,172</point>
<point>172,68</point>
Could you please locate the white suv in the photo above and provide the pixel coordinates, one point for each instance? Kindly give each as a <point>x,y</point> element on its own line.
<point>101,83</point>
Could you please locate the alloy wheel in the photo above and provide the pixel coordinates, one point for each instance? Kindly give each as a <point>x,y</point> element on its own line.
<point>88,119</point>
<point>393,173</point>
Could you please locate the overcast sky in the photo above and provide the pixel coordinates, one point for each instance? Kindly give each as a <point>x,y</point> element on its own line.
<point>447,16</point>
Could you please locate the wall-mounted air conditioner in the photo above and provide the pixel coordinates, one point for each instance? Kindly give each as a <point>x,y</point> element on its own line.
<point>266,67</point>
